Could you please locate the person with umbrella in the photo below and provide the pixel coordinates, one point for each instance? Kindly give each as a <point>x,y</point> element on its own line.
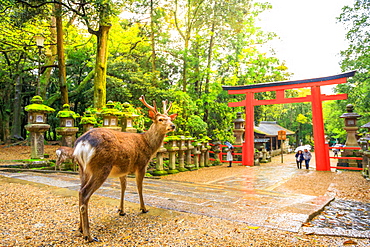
<point>230,153</point>
<point>299,159</point>
<point>307,157</point>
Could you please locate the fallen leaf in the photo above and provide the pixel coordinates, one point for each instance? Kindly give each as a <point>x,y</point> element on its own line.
<point>308,224</point>
<point>179,221</point>
<point>350,242</point>
<point>303,239</point>
<point>253,227</point>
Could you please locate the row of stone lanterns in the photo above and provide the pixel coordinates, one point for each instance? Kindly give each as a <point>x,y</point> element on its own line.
<point>180,150</point>
<point>37,123</point>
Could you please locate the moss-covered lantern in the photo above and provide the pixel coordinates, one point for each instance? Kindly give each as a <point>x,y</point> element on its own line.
<point>67,117</point>
<point>37,125</point>
<point>66,127</point>
<point>37,111</point>
<point>128,118</point>
<point>110,116</point>
<point>88,121</point>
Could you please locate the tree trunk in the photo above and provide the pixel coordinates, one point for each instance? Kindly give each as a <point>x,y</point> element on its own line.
<point>152,38</point>
<point>100,79</point>
<point>16,130</point>
<point>49,60</point>
<point>208,72</point>
<point>61,59</point>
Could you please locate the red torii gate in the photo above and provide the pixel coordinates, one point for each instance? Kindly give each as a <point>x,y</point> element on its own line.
<point>316,98</point>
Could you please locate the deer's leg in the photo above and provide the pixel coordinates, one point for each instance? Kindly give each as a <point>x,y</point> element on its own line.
<point>139,183</point>
<point>83,180</point>
<point>121,209</point>
<point>94,182</point>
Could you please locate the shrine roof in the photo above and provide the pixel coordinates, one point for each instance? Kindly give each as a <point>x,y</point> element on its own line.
<point>270,128</point>
<point>292,84</point>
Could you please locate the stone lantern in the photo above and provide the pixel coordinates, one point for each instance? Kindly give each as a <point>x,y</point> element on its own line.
<point>189,147</point>
<point>37,125</point>
<point>239,128</point>
<point>159,168</point>
<point>66,127</point>
<point>172,148</point>
<point>196,152</point>
<point>350,122</point>
<point>364,142</point>
<point>110,117</point>
<point>128,118</point>
<point>88,121</point>
<point>181,153</point>
<point>217,151</point>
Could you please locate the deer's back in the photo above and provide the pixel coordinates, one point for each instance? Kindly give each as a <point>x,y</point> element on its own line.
<point>120,152</point>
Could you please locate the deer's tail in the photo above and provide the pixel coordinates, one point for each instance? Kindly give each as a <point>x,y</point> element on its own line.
<point>83,153</point>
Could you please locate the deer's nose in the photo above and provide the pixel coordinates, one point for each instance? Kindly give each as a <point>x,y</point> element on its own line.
<point>173,126</point>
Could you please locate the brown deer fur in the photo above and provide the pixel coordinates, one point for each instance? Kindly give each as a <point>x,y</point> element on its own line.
<point>63,154</point>
<point>103,153</point>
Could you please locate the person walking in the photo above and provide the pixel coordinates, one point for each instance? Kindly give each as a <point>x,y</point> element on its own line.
<point>307,157</point>
<point>299,159</point>
<point>230,156</point>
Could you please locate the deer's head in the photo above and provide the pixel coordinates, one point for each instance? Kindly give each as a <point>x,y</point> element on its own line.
<point>162,121</point>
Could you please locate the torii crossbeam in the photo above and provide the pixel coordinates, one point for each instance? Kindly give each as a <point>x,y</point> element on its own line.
<point>316,98</point>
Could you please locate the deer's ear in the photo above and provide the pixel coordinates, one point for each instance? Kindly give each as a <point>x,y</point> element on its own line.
<point>173,116</point>
<point>152,115</point>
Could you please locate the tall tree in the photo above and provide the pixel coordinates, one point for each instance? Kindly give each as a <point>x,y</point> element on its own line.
<point>357,57</point>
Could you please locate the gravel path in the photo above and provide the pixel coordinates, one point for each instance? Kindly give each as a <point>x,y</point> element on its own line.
<point>37,215</point>
<point>32,214</point>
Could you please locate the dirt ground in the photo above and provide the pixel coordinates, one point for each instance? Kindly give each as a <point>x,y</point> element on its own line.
<point>23,152</point>
<point>33,214</point>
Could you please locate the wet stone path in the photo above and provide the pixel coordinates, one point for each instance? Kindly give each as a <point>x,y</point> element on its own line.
<point>341,214</point>
<point>248,197</point>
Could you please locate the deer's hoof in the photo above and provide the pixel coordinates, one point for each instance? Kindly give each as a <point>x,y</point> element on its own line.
<point>121,213</point>
<point>90,239</point>
<point>144,211</point>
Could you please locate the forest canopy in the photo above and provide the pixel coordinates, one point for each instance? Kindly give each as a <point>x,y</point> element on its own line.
<point>183,51</point>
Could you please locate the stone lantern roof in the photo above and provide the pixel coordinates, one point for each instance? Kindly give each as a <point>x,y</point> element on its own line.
<point>350,113</point>
<point>239,118</point>
<point>109,110</point>
<point>88,118</point>
<point>67,113</point>
<point>37,106</point>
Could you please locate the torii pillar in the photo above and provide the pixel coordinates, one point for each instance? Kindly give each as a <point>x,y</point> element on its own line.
<point>316,98</point>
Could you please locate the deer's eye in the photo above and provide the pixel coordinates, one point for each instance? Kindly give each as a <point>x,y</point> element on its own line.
<point>160,120</point>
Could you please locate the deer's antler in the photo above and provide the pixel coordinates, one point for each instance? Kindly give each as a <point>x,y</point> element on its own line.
<point>165,111</point>
<point>153,109</point>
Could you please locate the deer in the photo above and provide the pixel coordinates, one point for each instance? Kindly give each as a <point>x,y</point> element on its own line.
<point>63,154</point>
<point>102,153</point>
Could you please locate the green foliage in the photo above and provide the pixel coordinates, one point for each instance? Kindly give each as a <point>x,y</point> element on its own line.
<point>185,59</point>
<point>356,57</point>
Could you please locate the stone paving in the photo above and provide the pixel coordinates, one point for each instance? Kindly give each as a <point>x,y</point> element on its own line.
<point>248,197</point>
<point>342,218</point>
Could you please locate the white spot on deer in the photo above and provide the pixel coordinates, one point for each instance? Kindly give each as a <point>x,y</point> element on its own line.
<point>83,153</point>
